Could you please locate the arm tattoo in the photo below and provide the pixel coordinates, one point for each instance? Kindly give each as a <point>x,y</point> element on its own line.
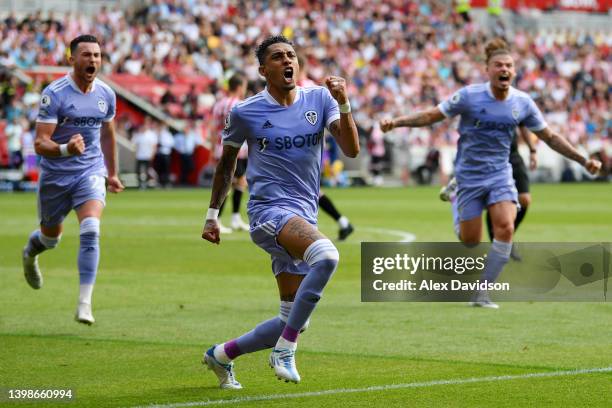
<point>419,119</point>
<point>334,128</point>
<point>345,132</point>
<point>224,173</point>
<point>560,145</point>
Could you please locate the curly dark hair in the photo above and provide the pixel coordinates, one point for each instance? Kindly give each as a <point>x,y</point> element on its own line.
<point>263,47</point>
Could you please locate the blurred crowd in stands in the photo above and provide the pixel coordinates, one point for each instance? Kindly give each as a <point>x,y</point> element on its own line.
<point>398,56</point>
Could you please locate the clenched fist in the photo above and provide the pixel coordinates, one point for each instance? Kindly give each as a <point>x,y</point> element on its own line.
<point>337,88</point>
<point>76,145</point>
<point>593,166</point>
<point>114,185</point>
<point>387,125</point>
<point>211,231</point>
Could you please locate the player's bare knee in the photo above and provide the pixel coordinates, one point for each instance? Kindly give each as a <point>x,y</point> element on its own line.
<point>504,231</point>
<point>525,200</point>
<point>240,184</point>
<point>52,231</point>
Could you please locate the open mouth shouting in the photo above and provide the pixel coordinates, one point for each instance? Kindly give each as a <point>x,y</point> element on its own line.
<point>504,79</point>
<point>288,75</point>
<point>90,70</point>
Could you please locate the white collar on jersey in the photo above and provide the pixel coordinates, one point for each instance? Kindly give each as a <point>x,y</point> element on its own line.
<point>490,92</point>
<point>273,101</point>
<point>76,87</point>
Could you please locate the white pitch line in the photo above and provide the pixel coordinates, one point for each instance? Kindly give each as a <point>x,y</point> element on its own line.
<point>381,388</point>
<point>404,235</point>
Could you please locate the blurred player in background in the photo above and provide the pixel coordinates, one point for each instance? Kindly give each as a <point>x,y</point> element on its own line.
<point>345,228</point>
<point>237,91</point>
<point>75,136</point>
<point>283,126</point>
<point>490,113</point>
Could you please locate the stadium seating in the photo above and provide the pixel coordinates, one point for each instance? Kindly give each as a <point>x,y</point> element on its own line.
<point>399,56</point>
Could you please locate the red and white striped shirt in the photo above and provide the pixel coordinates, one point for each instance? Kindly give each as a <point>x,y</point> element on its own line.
<point>220,111</point>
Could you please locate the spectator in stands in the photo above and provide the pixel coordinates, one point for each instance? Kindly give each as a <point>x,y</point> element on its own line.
<point>167,98</point>
<point>185,143</point>
<point>145,142</point>
<point>374,43</point>
<point>165,143</point>
<point>190,103</point>
<point>30,159</point>
<point>376,148</point>
<point>14,132</point>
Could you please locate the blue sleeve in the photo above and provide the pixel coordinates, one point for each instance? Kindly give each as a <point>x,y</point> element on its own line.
<point>330,108</point>
<point>112,107</point>
<point>48,107</point>
<point>533,119</point>
<point>235,130</point>
<point>457,104</point>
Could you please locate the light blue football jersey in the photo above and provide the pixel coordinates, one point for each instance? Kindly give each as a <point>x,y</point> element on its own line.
<point>486,131</point>
<point>63,103</point>
<point>285,146</point>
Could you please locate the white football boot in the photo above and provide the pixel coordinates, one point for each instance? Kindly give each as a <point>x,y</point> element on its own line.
<point>481,299</point>
<point>283,363</point>
<point>31,271</point>
<point>84,315</point>
<point>224,372</point>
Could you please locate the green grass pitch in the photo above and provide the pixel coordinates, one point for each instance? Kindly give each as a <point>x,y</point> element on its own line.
<point>163,295</point>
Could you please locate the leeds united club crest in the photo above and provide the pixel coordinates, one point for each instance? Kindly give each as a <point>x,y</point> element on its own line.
<point>102,105</point>
<point>311,117</point>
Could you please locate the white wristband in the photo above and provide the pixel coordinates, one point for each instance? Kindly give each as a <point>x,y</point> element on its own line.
<point>212,214</point>
<point>345,108</point>
<point>64,150</point>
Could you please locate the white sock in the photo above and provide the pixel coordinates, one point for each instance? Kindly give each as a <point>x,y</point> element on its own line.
<point>285,309</point>
<point>220,355</point>
<point>343,222</point>
<point>236,217</point>
<point>283,343</point>
<point>85,292</point>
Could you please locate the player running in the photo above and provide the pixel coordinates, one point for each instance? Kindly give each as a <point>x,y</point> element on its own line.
<point>75,135</point>
<point>521,182</point>
<point>490,113</point>
<point>283,126</point>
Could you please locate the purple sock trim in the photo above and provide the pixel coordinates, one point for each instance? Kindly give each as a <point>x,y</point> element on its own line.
<point>231,349</point>
<point>290,334</point>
